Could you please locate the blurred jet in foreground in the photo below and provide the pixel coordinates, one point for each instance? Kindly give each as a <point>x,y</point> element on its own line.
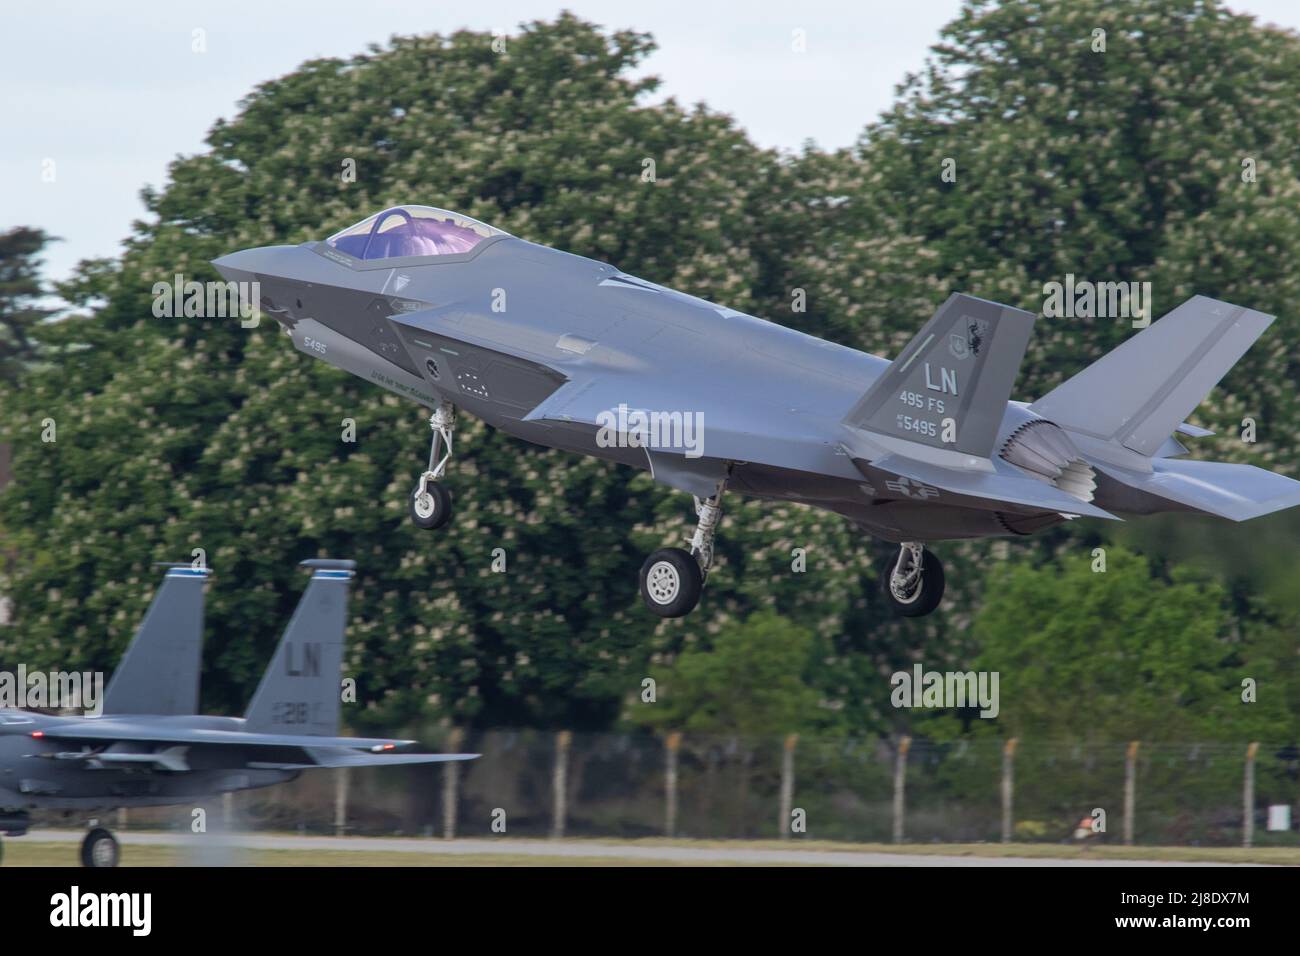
<point>151,748</point>
<point>573,354</point>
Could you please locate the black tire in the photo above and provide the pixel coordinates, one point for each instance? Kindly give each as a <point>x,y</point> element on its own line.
<point>928,594</point>
<point>432,510</point>
<point>671,582</point>
<point>99,849</point>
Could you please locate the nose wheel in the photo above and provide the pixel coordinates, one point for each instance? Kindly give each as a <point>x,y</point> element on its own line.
<point>912,582</point>
<point>430,504</point>
<point>672,579</point>
<point>431,501</point>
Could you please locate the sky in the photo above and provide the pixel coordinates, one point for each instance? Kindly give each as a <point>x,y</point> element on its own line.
<point>113,92</point>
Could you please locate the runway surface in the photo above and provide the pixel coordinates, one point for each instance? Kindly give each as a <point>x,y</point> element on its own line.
<point>614,852</point>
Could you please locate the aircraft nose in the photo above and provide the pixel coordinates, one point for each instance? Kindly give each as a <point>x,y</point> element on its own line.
<point>241,266</point>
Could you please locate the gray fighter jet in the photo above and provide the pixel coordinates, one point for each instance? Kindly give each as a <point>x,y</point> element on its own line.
<point>571,353</point>
<point>150,748</point>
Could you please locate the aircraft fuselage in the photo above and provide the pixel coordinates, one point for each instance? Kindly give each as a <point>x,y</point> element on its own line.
<point>499,330</point>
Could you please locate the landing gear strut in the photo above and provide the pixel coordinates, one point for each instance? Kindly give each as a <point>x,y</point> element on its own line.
<point>430,501</point>
<point>672,579</point>
<point>99,848</point>
<point>912,582</point>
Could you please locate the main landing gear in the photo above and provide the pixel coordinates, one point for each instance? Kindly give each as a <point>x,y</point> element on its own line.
<point>672,579</point>
<point>912,582</point>
<point>430,501</point>
<point>99,848</point>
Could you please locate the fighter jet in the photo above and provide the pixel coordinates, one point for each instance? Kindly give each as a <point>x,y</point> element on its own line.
<point>571,353</point>
<point>151,748</point>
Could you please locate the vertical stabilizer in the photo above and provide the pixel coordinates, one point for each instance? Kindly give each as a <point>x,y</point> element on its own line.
<point>955,376</point>
<point>1139,393</point>
<point>159,673</point>
<point>300,692</point>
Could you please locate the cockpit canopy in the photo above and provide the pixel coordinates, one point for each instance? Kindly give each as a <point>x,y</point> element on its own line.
<point>412,231</point>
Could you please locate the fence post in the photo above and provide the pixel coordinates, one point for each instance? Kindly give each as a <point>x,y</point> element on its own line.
<point>342,778</point>
<point>1130,790</point>
<point>900,774</point>
<point>1008,785</point>
<point>451,785</point>
<point>1248,798</point>
<point>787,785</point>
<point>672,745</point>
<point>559,781</point>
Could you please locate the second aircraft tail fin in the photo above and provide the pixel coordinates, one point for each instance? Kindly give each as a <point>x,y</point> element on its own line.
<point>159,673</point>
<point>300,692</point>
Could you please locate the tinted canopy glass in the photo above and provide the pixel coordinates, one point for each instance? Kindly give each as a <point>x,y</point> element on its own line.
<point>412,231</point>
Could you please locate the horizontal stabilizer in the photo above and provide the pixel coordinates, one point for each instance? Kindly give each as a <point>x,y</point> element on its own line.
<point>1139,393</point>
<point>1004,486</point>
<point>955,375</point>
<point>1237,492</point>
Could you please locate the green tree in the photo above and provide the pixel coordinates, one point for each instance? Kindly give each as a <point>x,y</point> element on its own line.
<point>750,681</point>
<point>20,291</point>
<point>1089,661</point>
<point>1128,653</point>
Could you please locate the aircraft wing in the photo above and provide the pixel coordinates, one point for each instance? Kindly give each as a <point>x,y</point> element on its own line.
<point>95,729</point>
<point>174,742</point>
<point>752,428</point>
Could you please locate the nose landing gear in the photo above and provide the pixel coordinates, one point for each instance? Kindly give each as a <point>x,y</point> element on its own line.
<point>431,501</point>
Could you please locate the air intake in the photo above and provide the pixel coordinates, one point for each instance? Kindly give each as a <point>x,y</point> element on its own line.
<point>1044,451</point>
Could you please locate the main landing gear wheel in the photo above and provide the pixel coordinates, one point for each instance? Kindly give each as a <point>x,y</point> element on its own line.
<point>671,582</point>
<point>430,501</point>
<point>99,849</point>
<point>912,581</point>
<point>672,579</point>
